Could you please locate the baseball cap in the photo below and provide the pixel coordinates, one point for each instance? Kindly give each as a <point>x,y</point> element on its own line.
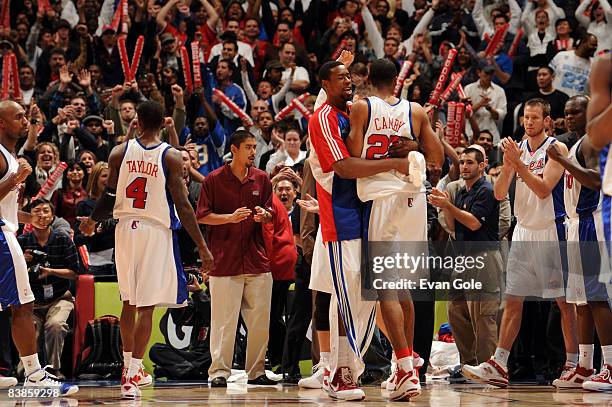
<point>167,37</point>
<point>92,117</point>
<point>485,66</point>
<point>108,28</point>
<point>274,65</point>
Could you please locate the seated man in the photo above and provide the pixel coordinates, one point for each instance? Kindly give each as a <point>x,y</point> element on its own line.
<point>53,261</point>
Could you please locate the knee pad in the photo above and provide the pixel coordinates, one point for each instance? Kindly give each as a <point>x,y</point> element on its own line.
<point>322,301</point>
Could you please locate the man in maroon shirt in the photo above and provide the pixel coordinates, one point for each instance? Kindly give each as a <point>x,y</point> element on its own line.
<point>235,200</point>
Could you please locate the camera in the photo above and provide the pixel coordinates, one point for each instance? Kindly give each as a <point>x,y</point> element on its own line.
<point>39,259</point>
<point>193,274</point>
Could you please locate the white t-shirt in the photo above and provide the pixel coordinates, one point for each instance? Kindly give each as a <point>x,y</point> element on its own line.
<point>571,73</point>
<point>300,74</point>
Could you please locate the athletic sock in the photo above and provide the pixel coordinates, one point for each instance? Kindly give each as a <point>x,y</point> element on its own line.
<point>571,359</point>
<point>135,365</point>
<point>393,357</point>
<point>406,363</point>
<point>343,351</point>
<point>606,353</point>
<point>324,359</point>
<point>127,356</point>
<point>501,357</point>
<point>585,357</point>
<point>31,365</point>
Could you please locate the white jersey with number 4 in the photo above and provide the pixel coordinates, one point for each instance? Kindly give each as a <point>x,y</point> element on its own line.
<point>141,189</point>
<point>387,123</point>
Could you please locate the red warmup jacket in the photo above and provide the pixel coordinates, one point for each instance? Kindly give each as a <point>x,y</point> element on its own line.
<point>279,243</point>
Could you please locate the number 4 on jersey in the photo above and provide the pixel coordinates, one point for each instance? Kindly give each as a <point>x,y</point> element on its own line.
<point>137,191</point>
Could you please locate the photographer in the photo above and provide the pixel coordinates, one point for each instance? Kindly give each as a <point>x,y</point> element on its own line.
<point>52,261</point>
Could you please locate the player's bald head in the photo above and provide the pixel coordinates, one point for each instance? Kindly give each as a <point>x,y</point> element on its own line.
<point>8,108</point>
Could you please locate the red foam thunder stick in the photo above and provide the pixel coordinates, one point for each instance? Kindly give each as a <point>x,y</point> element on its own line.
<point>15,76</point>
<point>129,71</point>
<point>186,69</point>
<point>459,122</point>
<point>195,59</point>
<point>446,69</point>
<point>401,77</point>
<point>455,81</point>
<point>498,37</point>
<point>515,43</point>
<point>6,73</point>
<point>233,107</point>
<point>5,14</point>
<point>450,122</point>
<point>301,108</point>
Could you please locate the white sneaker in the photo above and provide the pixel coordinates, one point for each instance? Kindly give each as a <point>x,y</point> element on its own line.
<point>6,381</point>
<point>130,390</point>
<point>389,382</point>
<point>48,380</point>
<point>142,379</point>
<point>573,377</point>
<point>406,385</point>
<point>489,372</point>
<point>602,381</point>
<point>315,381</point>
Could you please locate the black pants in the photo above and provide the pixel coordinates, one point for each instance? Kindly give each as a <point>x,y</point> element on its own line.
<point>299,319</point>
<point>278,328</point>
<point>424,315</point>
<point>6,359</point>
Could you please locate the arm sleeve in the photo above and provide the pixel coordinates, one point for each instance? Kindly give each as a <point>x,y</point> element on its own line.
<point>204,207</point>
<point>106,15</point>
<point>277,157</point>
<point>218,138</point>
<point>32,41</point>
<point>327,141</point>
<point>70,13</point>
<point>515,16</point>
<point>484,205</point>
<point>479,18</point>
<point>308,226</point>
<point>248,89</point>
<point>280,95</point>
<point>86,139</point>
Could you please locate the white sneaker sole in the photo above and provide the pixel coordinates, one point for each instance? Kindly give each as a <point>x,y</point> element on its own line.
<point>593,386</point>
<point>6,382</point>
<point>356,396</point>
<point>493,382</point>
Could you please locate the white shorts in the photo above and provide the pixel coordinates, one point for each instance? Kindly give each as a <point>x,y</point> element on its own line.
<point>584,248</point>
<point>320,271</point>
<point>14,282</point>
<point>149,268</point>
<point>535,267</point>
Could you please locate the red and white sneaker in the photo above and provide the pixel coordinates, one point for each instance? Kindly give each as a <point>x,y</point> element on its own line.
<point>602,381</point>
<point>325,384</point>
<point>130,390</point>
<point>489,372</point>
<point>405,386</point>
<point>418,362</point>
<point>344,387</point>
<point>144,379</point>
<point>573,377</point>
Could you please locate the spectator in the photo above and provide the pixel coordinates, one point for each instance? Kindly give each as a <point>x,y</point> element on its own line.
<point>600,22</point>
<point>529,18</point>
<point>488,99</point>
<point>572,68</point>
<point>223,74</point>
<point>53,301</point>
<point>486,27</point>
<point>235,213</point>
<point>88,160</point>
<point>288,151</point>
<point>101,246</point>
<point>473,215</point>
<point>66,199</point>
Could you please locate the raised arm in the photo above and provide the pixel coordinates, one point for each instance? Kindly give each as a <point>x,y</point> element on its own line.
<point>599,111</point>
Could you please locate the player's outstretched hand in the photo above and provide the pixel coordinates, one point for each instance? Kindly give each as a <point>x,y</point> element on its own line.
<point>261,215</point>
<point>239,215</point>
<point>208,263</point>
<point>87,226</point>
<point>309,204</point>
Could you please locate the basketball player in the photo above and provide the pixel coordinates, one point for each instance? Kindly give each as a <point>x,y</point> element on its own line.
<point>396,209</point>
<point>599,132</point>
<point>15,291</point>
<point>584,229</point>
<point>145,191</point>
<point>534,268</point>
<point>341,225</point>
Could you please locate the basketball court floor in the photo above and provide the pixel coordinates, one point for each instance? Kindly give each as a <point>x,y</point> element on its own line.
<point>178,394</point>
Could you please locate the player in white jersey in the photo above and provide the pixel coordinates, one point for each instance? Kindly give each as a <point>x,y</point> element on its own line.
<point>535,261</point>
<point>145,191</point>
<point>396,207</point>
<point>599,130</point>
<point>15,291</point>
